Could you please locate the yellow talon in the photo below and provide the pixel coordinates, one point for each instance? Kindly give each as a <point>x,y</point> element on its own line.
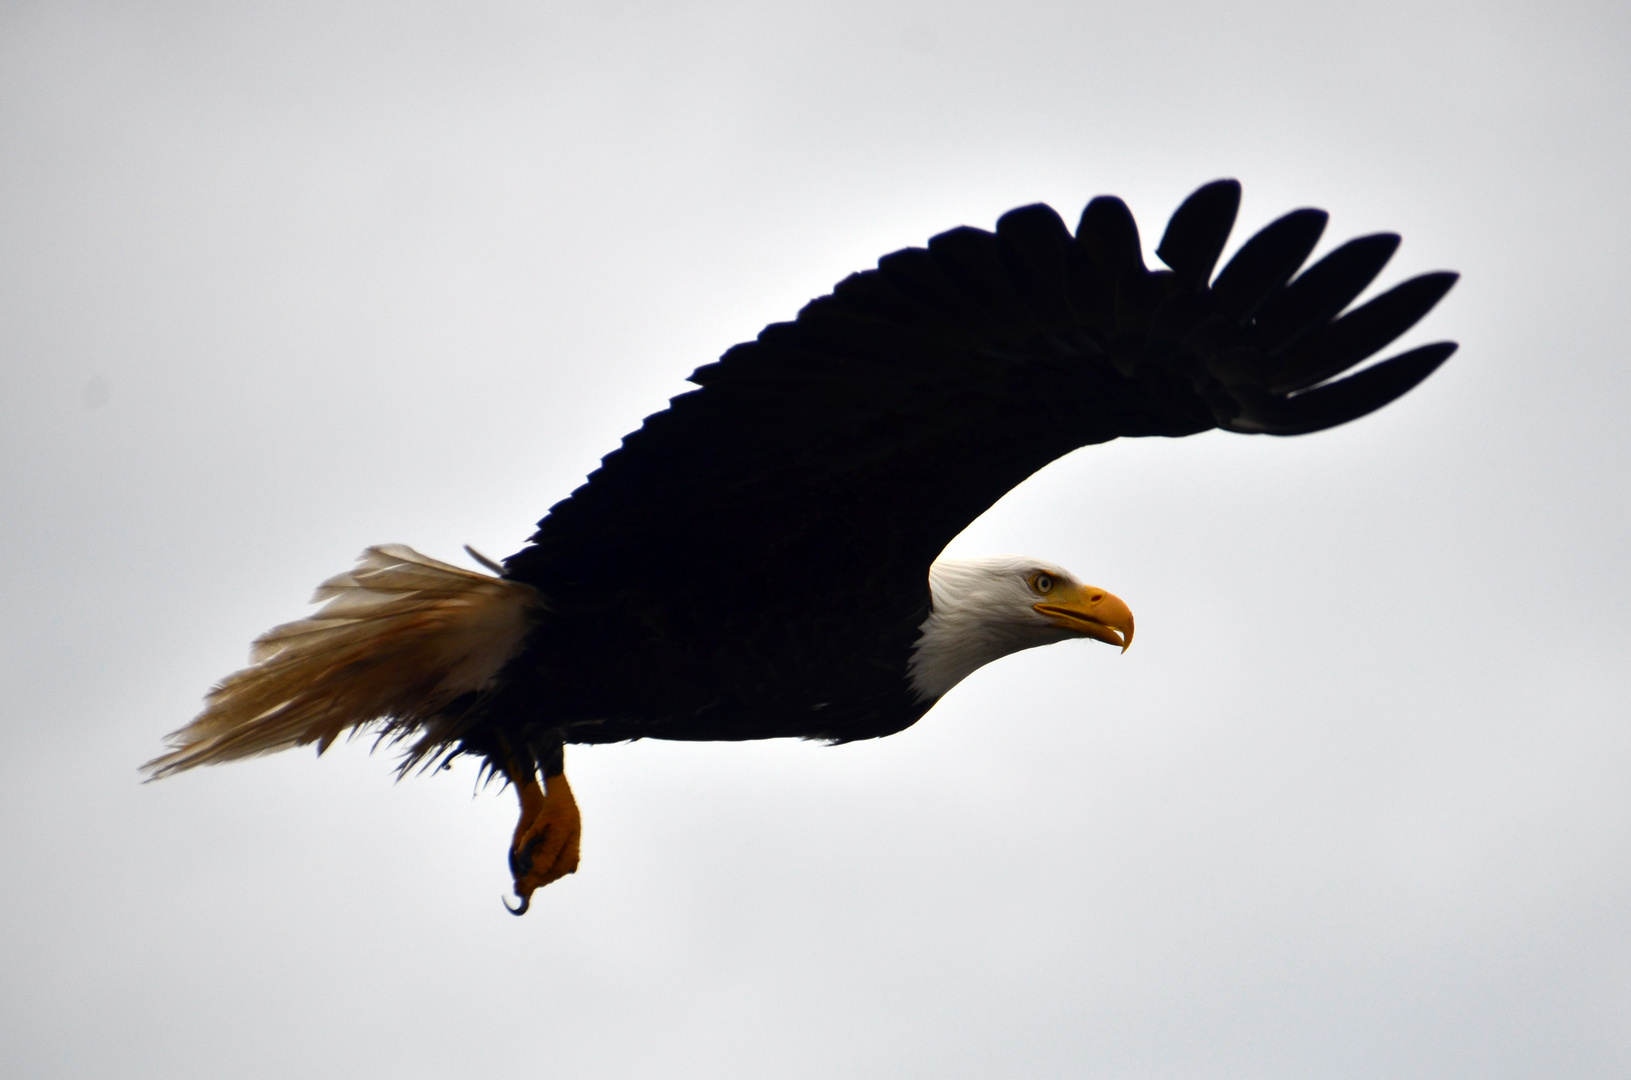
<point>545,847</point>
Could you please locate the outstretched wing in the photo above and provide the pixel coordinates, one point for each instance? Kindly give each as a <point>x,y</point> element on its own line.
<point>800,494</point>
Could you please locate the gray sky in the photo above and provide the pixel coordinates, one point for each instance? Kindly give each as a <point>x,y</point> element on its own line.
<point>278,281</point>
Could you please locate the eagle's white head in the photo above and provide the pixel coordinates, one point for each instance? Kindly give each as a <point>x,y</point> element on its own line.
<point>984,609</point>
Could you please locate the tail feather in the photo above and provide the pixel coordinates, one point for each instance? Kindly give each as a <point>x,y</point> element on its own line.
<point>398,638</point>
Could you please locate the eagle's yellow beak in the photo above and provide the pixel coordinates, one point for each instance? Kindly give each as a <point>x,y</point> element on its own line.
<point>1090,612</point>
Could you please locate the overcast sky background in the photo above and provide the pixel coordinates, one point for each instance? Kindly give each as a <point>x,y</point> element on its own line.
<point>278,281</point>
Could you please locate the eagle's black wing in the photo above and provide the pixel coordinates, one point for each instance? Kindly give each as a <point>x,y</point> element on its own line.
<point>755,556</point>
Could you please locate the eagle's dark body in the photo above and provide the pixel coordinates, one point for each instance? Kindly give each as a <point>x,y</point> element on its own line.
<point>838,454</point>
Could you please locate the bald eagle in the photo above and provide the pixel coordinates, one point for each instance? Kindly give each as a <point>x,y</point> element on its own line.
<point>835,455</point>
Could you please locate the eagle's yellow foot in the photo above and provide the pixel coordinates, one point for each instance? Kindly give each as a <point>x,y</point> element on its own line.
<point>546,838</point>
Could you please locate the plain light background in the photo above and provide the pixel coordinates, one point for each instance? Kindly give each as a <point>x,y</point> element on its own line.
<point>278,281</point>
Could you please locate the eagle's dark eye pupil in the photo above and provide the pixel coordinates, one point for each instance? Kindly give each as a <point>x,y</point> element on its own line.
<point>1043,583</point>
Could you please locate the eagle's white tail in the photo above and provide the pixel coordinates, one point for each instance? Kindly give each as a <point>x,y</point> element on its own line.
<point>399,638</point>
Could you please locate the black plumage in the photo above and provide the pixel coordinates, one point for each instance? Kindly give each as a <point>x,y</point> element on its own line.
<point>753,561</point>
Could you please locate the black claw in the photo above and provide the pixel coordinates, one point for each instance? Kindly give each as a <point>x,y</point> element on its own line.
<point>521,861</point>
<point>520,866</point>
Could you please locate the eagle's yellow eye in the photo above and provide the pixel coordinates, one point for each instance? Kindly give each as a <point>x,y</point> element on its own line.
<point>1042,583</point>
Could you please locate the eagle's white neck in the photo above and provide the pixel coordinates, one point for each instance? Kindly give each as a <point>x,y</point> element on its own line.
<point>980,611</point>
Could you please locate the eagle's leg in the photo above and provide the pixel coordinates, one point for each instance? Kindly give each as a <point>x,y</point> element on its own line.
<point>545,847</point>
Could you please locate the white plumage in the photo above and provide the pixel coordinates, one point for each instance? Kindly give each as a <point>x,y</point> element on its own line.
<point>984,609</point>
<point>398,637</point>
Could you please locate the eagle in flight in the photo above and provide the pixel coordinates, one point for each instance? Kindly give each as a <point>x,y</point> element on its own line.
<point>761,559</point>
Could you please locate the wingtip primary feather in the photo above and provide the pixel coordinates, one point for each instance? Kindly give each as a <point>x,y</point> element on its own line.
<point>399,637</point>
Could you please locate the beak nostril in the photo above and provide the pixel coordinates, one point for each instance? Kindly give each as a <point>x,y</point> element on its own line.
<point>1096,597</point>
